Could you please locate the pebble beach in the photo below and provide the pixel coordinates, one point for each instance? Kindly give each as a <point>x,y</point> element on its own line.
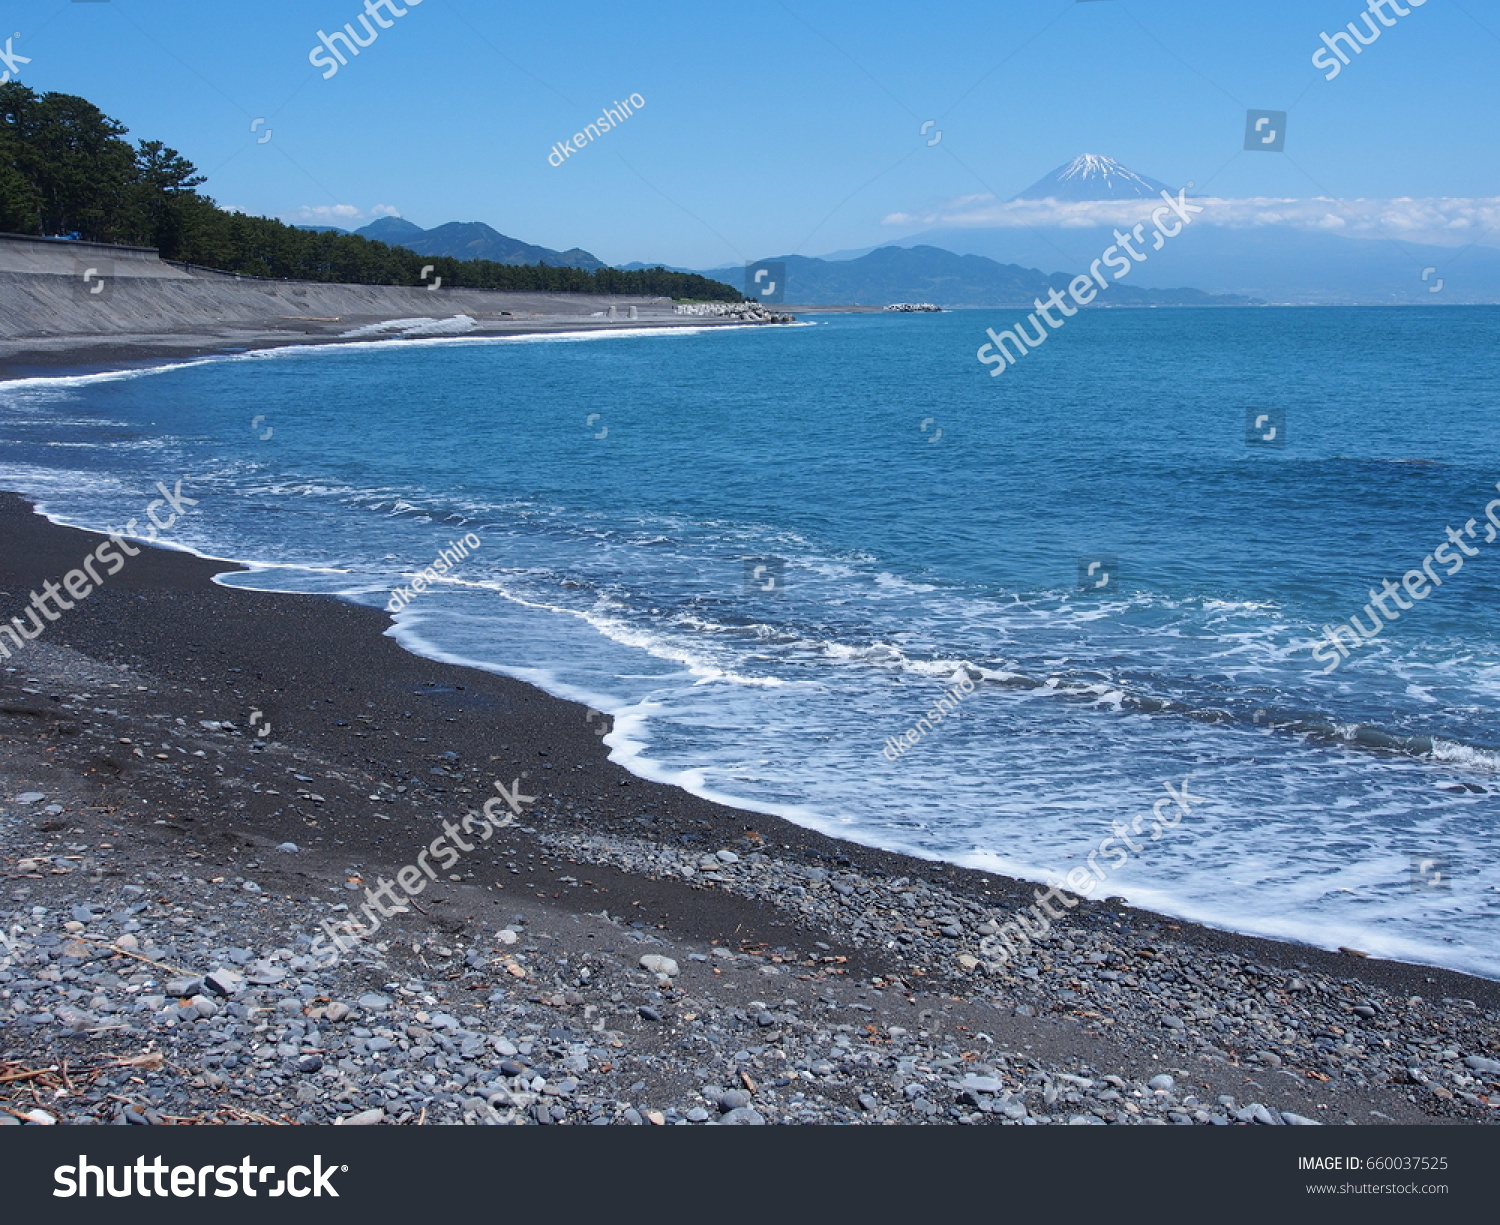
<point>620,953</point>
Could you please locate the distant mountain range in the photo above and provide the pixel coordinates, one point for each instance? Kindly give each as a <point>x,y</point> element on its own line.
<point>930,274</point>
<point>469,240</point>
<point>1002,264</point>
<point>1273,263</point>
<point>890,274</point>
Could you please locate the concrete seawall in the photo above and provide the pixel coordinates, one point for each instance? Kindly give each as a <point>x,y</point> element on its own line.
<point>65,257</point>
<point>47,305</point>
<point>88,304</point>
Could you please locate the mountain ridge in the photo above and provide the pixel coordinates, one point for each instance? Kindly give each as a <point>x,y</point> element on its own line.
<point>932,274</point>
<point>474,240</point>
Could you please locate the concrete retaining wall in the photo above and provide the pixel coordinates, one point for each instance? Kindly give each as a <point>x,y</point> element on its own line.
<point>53,290</point>
<point>64,257</point>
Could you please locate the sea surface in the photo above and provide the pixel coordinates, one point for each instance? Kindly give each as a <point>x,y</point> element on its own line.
<point>915,521</point>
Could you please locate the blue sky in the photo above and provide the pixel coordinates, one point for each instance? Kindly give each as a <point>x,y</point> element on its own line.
<point>769,128</point>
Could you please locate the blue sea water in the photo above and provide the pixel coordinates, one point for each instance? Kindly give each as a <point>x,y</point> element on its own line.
<point>922,521</point>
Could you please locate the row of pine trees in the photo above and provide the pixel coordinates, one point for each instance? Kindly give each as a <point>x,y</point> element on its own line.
<point>66,168</point>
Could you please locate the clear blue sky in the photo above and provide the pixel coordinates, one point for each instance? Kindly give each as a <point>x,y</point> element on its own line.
<point>768,127</point>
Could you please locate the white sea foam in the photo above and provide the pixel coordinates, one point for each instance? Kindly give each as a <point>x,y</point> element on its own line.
<point>780,706</point>
<point>1466,755</point>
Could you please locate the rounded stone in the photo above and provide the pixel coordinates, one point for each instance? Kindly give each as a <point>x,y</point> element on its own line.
<point>658,964</point>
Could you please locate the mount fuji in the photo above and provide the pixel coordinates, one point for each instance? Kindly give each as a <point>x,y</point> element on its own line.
<point>1091,177</point>
<point>1268,261</point>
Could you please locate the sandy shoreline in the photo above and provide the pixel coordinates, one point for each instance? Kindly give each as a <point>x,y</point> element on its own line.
<point>161,313</point>
<point>389,745</point>
<point>51,356</point>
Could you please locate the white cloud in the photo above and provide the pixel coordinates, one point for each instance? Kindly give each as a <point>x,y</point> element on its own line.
<point>1449,221</point>
<point>343,215</point>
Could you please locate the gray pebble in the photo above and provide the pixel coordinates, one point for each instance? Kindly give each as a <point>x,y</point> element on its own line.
<point>225,982</point>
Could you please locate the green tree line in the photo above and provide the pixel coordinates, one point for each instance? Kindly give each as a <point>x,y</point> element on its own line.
<point>66,167</point>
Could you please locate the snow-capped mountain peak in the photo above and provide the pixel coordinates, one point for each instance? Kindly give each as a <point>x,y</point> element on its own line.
<point>1092,177</point>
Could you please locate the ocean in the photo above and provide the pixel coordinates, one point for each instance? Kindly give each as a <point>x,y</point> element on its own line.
<point>767,552</point>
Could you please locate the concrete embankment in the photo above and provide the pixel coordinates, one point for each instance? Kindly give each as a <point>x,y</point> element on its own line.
<point>88,304</point>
